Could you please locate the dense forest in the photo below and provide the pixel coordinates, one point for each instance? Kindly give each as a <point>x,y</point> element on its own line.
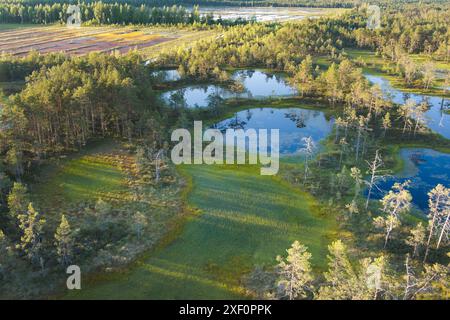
<point>106,13</point>
<point>251,3</point>
<point>245,3</point>
<point>284,47</point>
<point>69,102</point>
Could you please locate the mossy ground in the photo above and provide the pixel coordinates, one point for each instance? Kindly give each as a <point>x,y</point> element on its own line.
<point>240,219</point>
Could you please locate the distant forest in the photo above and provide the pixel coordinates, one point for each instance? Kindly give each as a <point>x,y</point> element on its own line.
<point>243,3</point>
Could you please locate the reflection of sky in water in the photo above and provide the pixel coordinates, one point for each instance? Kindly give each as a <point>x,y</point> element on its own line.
<point>257,85</point>
<point>260,84</point>
<point>438,121</point>
<point>167,75</point>
<point>293,123</point>
<point>197,96</point>
<point>425,168</point>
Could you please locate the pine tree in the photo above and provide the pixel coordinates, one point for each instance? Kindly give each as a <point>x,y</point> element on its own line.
<point>18,200</point>
<point>64,242</point>
<point>374,170</point>
<point>295,277</point>
<point>355,173</point>
<point>31,225</point>
<point>4,244</point>
<point>341,278</point>
<point>396,202</point>
<point>438,217</point>
<point>139,223</point>
<point>416,238</point>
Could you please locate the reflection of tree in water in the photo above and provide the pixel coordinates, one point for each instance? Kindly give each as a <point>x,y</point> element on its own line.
<point>300,118</point>
<point>406,96</point>
<point>234,123</point>
<point>249,115</point>
<point>426,103</point>
<point>445,104</point>
<point>177,100</point>
<point>245,74</point>
<point>214,100</point>
<point>417,158</point>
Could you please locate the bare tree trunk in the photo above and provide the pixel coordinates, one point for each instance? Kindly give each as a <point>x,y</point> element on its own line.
<point>443,230</point>
<point>429,238</point>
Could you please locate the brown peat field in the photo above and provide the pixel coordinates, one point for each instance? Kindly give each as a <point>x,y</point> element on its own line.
<point>19,40</point>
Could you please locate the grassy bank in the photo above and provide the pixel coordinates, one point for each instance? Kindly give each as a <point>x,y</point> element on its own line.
<point>91,174</point>
<point>241,219</point>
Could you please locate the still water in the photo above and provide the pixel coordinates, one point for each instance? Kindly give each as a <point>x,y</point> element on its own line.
<point>257,84</point>
<point>438,120</point>
<point>425,169</point>
<point>293,123</point>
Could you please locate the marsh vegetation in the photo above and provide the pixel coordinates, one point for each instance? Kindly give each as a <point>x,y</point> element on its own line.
<point>361,201</point>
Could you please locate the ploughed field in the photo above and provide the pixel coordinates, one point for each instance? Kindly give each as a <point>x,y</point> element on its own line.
<point>80,41</point>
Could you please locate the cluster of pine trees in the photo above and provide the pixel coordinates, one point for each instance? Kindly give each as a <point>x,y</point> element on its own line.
<point>67,101</point>
<point>244,3</point>
<point>98,13</point>
<point>107,13</point>
<point>410,29</point>
<point>368,279</point>
<point>283,47</point>
<point>279,47</point>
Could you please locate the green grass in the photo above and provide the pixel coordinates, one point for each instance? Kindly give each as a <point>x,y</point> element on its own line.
<point>422,58</point>
<point>241,219</point>
<point>86,176</point>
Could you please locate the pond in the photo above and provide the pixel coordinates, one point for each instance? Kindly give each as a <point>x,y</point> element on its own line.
<point>195,96</point>
<point>166,75</point>
<point>260,84</point>
<point>425,168</point>
<point>257,85</point>
<point>438,120</point>
<point>293,123</point>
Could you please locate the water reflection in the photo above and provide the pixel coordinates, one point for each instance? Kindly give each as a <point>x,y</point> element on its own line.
<point>166,75</point>
<point>438,120</point>
<point>259,84</point>
<point>256,85</point>
<point>293,123</point>
<point>425,168</point>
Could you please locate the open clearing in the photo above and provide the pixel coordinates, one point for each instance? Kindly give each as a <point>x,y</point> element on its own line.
<point>96,173</point>
<point>242,219</point>
<point>80,41</point>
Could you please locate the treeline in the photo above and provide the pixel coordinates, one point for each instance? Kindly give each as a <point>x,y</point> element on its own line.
<point>242,3</point>
<point>39,241</point>
<point>280,47</point>
<point>68,101</point>
<point>284,46</point>
<point>100,13</point>
<point>248,3</point>
<point>293,278</point>
<point>410,29</point>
